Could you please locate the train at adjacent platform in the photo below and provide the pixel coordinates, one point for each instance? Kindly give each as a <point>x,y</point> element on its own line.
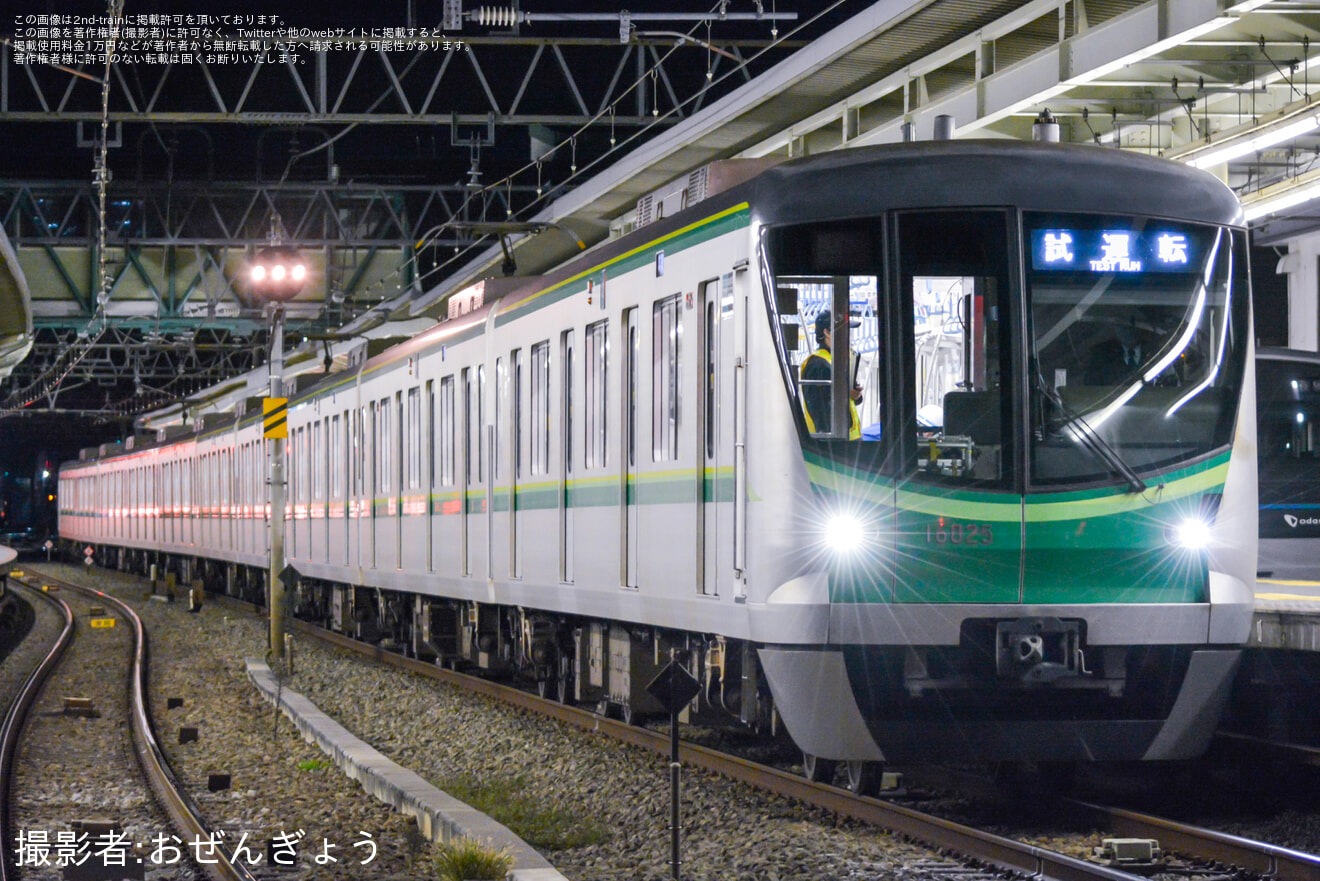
<point>1013,518</point>
<point>1288,406</point>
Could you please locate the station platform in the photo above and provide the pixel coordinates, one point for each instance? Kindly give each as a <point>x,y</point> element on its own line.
<point>1287,615</point>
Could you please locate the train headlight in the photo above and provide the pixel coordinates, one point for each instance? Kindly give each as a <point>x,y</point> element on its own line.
<point>1192,534</point>
<point>844,533</point>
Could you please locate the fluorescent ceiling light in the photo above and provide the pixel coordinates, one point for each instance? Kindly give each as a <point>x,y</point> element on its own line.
<point>1286,199</point>
<point>1260,141</point>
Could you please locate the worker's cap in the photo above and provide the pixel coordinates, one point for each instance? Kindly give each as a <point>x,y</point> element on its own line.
<point>825,321</point>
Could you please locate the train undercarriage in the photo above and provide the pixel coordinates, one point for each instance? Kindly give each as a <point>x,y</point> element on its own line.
<point>599,664</point>
<point>606,666</point>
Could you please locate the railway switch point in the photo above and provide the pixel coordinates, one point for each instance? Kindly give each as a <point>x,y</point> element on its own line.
<point>82,707</point>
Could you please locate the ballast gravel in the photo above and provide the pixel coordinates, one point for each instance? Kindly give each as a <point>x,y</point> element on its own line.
<point>615,796</point>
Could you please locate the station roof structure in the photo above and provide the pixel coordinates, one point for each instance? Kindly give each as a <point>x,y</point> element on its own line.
<point>310,153</point>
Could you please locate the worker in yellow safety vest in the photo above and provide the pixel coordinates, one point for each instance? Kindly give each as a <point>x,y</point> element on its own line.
<point>816,372</point>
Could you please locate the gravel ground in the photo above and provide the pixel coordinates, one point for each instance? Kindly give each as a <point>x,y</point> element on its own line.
<point>601,807</point>
<point>72,768</point>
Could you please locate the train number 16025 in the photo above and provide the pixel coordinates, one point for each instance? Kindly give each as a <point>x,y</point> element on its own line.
<point>960,534</point>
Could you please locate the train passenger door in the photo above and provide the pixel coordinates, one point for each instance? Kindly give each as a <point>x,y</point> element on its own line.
<point>715,419</point>
<point>960,506</point>
<point>667,495</point>
<point>632,335</point>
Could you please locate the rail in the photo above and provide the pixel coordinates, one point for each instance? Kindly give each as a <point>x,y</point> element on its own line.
<point>166,786</point>
<point>12,726</point>
<point>1267,860</point>
<point>974,843</point>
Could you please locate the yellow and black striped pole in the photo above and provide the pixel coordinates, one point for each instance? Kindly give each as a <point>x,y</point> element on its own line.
<point>275,417</point>
<point>275,412</point>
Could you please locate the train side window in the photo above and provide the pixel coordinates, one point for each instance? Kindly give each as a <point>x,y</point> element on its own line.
<point>481,422</point>
<point>501,403</point>
<point>566,346</point>
<point>336,463</point>
<point>666,342</point>
<point>632,356</point>
<point>294,464</point>
<point>307,455</point>
<point>359,452</point>
<point>467,427</point>
<point>447,431</point>
<point>414,418</point>
<point>400,438</point>
<point>597,352</point>
<point>383,445</point>
<point>430,437</point>
<point>516,357</point>
<point>541,407</point>
<point>317,461</point>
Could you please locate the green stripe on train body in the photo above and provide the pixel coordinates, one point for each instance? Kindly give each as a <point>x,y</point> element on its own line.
<point>933,545</point>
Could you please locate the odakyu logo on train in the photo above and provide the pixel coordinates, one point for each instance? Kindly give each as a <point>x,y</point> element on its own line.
<point>1294,522</point>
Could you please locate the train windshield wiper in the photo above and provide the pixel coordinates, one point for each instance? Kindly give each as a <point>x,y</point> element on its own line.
<point>1087,436</point>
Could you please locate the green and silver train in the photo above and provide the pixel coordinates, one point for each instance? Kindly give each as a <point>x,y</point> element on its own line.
<point>1013,517</point>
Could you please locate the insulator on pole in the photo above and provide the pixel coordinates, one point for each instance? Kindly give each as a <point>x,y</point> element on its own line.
<point>497,16</point>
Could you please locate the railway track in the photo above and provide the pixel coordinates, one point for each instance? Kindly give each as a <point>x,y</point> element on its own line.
<point>1194,843</point>
<point>188,824</point>
<point>16,714</point>
<point>977,847</point>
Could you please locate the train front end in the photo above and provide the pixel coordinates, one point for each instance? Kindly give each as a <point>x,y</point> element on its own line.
<point>1006,469</point>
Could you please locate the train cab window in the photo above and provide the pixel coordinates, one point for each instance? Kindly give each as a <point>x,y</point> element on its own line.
<point>830,318</point>
<point>1138,330</point>
<point>954,287</point>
